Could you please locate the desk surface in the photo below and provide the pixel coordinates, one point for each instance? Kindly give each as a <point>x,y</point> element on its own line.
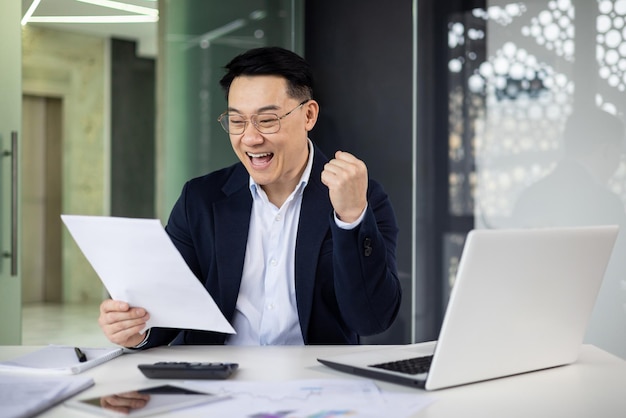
<point>595,386</point>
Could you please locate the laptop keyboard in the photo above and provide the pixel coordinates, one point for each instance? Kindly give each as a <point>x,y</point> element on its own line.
<point>415,365</point>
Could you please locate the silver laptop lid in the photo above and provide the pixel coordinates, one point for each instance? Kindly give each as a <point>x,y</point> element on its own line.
<point>521,302</point>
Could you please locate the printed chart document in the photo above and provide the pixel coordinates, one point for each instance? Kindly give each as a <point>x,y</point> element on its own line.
<point>308,398</point>
<point>138,263</point>
<point>27,396</point>
<point>59,359</point>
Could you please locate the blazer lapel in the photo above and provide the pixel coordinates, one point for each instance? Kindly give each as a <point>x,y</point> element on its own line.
<point>314,217</point>
<point>232,221</point>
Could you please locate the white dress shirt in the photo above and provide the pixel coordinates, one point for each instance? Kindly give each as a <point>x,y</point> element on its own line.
<point>266,312</point>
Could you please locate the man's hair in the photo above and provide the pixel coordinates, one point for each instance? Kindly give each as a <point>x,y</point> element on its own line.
<point>272,61</point>
<point>588,128</point>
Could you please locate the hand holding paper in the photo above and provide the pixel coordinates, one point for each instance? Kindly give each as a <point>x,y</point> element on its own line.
<point>138,263</point>
<point>122,324</point>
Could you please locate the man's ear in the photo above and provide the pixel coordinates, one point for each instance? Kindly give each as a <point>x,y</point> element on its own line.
<point>311,109</point>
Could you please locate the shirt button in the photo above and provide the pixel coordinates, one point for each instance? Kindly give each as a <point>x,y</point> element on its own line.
<point>278,218</point>
<point>270,307</point>
<point>273,262</point>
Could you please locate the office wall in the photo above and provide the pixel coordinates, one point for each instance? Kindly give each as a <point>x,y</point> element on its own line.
<point>133,91</point>
<point>71,67</point>
<point>362,57</point>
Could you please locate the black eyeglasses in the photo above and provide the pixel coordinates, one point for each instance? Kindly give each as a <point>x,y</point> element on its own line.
<point>266,123</point>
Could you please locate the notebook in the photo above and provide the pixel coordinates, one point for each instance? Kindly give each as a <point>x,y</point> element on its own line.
<point>60,359</point>
<point>521,302</point>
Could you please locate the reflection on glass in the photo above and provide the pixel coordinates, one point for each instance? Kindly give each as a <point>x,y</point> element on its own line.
<point>537,110</point>
<point>148,401</point>
<point>576,191</point>
<point>124,402</point>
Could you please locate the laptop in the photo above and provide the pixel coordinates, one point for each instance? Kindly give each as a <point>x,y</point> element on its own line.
<point>521,302</point>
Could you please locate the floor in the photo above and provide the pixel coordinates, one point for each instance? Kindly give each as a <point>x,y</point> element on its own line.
<point>65,324</point>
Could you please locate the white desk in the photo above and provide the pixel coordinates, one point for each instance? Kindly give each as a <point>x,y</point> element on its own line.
<point>595,386</point>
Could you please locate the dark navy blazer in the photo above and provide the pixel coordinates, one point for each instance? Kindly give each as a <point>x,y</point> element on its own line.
<point>346,280</point>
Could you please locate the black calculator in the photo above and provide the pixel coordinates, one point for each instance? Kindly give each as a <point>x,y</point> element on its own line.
<point>188,370</point>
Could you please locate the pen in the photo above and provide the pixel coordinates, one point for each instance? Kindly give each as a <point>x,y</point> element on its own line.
<point>81,356</point>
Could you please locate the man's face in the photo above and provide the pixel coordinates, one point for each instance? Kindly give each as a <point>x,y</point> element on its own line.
<point>274,160</point>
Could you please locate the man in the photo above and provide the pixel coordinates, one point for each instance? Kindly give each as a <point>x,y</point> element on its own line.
<point>294,248</point>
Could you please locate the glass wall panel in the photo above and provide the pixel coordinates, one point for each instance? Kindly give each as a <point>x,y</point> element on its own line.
<point>10,181</point>
<point>538,99</point>
<point>198,38</point>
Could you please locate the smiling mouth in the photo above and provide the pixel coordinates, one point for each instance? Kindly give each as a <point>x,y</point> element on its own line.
<point>260,159</point>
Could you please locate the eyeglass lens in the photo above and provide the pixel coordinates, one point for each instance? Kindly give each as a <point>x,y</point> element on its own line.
<point>236,124</point>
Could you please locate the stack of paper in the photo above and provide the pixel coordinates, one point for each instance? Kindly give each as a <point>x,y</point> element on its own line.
<point>27,396</point>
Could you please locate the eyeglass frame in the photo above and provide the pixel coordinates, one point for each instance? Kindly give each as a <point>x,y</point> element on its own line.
<point>249,120</point>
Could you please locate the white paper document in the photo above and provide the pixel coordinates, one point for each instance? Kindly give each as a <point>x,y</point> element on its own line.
<point>307,398</point>
<point>138,263</point>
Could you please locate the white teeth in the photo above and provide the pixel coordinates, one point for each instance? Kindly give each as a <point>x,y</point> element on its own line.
<point>265,154</point>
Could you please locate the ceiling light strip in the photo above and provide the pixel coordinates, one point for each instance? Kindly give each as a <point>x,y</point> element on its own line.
<point>30,11</point>
<point>93,19</point>
<point>123,6</point>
